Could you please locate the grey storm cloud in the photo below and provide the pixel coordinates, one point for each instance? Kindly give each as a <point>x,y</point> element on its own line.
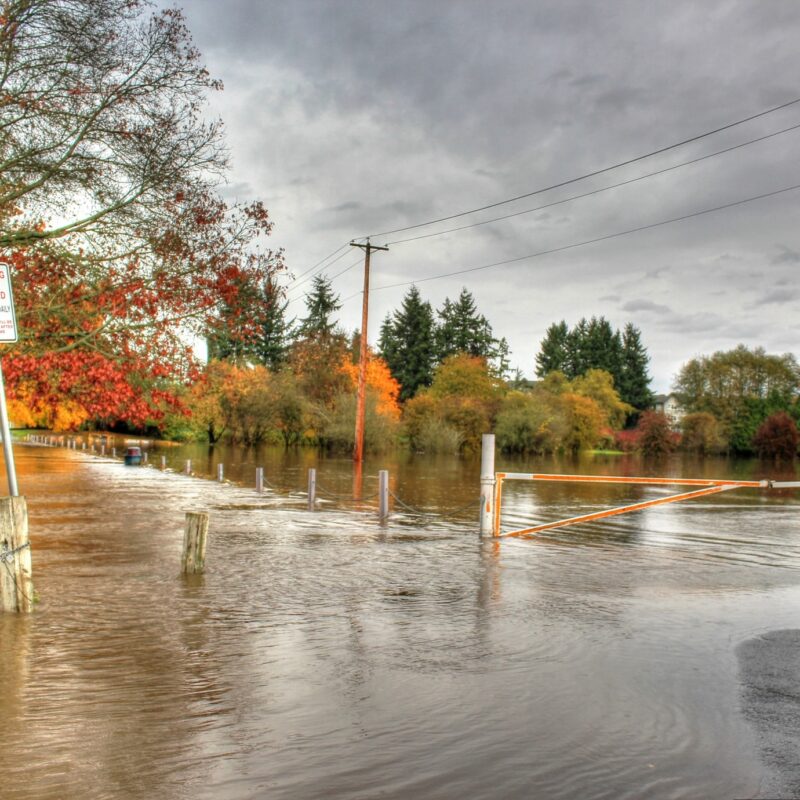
<point>362,116</point>
<point>777,297</point>
<point>634,306</point>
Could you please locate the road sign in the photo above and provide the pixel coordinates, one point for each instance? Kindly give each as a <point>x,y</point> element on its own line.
<point>8,319</point>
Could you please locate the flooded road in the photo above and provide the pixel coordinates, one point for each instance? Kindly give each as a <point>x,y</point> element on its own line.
<point>324,655</point>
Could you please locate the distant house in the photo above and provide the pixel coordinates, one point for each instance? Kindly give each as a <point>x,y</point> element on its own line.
<point>670,407</point>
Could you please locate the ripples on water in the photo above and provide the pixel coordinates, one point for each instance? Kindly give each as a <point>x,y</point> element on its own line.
<point>323,655</point>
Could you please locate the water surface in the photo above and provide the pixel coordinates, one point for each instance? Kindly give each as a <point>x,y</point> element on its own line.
<point>325,655</point>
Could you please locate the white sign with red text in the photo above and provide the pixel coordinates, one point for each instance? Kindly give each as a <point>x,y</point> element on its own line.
<point>8,320</point>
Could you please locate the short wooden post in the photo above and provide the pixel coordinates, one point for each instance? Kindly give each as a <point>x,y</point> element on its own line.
<point>144,457</point>
<point>259,479</point>
<point>163,462</point>
<point>83,445</point>
<point>220,472</point>
<point>102,449</point>
<point>487,485</point>
<point>312,489</point>
<point>188,468</point>
<point>383,494</point>
<point>194,542</point>
<point>16,572</point>
<point>113,452</point>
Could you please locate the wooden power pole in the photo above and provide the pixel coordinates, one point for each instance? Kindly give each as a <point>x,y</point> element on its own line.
<point>358,449</point>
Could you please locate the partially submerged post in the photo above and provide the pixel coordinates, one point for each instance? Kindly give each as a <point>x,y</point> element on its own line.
<point>16,573</point>
<point>163,463</point>
<point>195,537</point>
<point>188,468</point>
<point>312,488</point>
<point>259,479</point>
<point>487,485</point>
<point>220,472</point>
<point>383,494</point>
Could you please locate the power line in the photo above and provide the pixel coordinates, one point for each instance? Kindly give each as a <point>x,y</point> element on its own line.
<point>592,174</point>
<point>332,278</point>
<point>321,261</point>
<point>585,242</point>
<point>596,191</point>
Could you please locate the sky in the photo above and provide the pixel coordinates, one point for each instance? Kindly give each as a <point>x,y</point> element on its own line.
<point>351,118</point>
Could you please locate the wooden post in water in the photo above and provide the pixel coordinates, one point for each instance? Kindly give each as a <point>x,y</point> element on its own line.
<point>487,485</point>
<point>195,536</point>
<point>220,472</point>
<point>144,457</point>
<point>312,488</point>
<point>163,463</point>
<point>188,468</point>
<point>259,479</point>
<point>383,494</point>
<point>16,572</point>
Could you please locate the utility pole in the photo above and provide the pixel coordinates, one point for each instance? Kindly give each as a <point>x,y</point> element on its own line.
<point>358,450</point>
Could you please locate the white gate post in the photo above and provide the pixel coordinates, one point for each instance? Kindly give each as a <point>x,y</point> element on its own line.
<point>487,485</point>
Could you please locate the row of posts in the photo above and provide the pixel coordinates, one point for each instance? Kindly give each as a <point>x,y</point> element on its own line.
<point>72,443</point>
<point>488,523</point>
<point>16,584</point>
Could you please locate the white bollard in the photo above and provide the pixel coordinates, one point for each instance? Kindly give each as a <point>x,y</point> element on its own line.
<point>383,494</point>
<point>487,485</point>
<point>312,488</point>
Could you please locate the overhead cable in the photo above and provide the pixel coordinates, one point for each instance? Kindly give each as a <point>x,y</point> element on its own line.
<point>596,191</point>
<point>592,174</point>
<point>586,242</point>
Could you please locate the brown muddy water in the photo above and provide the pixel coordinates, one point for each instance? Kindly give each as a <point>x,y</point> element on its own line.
<point>326,656</point>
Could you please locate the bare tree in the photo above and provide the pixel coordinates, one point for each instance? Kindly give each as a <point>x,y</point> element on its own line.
<point>101,124</point>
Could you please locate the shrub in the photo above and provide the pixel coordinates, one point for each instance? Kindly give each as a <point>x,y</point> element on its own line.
<point>701,433</point>
<point>584,421</point>
<point>627,440</point>
<point>655,436</point>
<point>338,426</point>
<point>436,436</point>
<point>529,423</point>
<point>777,437</point>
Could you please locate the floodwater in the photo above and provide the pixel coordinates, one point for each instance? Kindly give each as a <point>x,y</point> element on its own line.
<point>323,655</point>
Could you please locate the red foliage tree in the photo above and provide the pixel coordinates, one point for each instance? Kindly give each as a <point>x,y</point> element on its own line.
<point>777,437</point>
<point>654,434</point>
<point>114,337</point>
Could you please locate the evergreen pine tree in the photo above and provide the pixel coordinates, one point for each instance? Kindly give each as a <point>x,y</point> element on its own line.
<point>387,341</point>
<point>407,344</point>
<point>577,352</point>
<point>321,304</point>
<point>463,330</point>
<point>226,339</point>
<point>634,385</point>
<point>271,346</point>
<point>602,348</point>
<point>553,351</point>
<point>501,363</point>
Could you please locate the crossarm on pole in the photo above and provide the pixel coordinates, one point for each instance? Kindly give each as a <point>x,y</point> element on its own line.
<point>611,512</point>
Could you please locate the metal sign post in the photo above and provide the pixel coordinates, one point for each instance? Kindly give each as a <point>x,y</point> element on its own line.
<point>8,333</point>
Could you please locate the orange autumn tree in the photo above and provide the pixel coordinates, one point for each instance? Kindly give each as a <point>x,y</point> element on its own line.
<point>336,427</point>
<point>379,381</point>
